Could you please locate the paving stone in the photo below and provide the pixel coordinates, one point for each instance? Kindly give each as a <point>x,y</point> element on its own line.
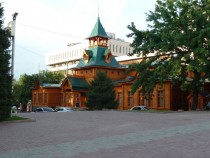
<point>104,134</point>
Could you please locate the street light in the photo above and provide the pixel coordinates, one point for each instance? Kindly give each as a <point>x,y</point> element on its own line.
<point>183,78</point>
<point>13,42</point>
<point>11,26</point>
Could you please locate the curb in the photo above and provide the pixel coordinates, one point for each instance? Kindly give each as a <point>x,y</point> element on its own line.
<point>19,121</point>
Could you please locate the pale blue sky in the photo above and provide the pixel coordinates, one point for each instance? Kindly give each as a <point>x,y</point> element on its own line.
<point>75,18</point>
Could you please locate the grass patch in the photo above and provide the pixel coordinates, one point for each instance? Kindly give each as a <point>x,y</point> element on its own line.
<point>155,111</point>
<point>15,118</point>
<point>161,111</point>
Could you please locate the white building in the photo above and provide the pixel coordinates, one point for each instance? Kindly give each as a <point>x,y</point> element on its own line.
<point>65,59</point>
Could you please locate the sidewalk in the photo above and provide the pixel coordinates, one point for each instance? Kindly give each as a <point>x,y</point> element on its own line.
<point>104,134</point>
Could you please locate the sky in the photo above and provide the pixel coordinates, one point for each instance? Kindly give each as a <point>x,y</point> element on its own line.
<point>44,26</point>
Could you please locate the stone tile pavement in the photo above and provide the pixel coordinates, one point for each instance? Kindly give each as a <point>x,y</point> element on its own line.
<point>104,134</point>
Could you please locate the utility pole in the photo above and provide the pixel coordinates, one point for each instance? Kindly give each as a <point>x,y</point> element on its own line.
<point>12,27</point>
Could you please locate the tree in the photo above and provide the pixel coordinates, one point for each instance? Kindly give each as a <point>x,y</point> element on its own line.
<point>51,77</point>
<point>101,94</point>
<point>176,43</point>
<point>22,89</point>
<point>5,76</point>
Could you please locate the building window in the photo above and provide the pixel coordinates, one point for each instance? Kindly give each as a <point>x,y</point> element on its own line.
<point>77,100</point>
<point>71,99</point>
<point>61,99</point>
<point>160,98</point>
<point>66,99</point>
<point>120,49</point>
<point>116,48</point>
<point>130,99</point>
<point>144,99</point>
<point>35,100</point>
<point>40,98</point>
<point>140,98</point>
<point>113,48</point>
<point>45,97</point>
<point>119,96</point>
<point>91,43</point>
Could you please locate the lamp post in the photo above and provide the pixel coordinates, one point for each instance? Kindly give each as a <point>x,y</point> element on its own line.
<point>183,76</point>
<point>13,42</point>
<point>11,26</point>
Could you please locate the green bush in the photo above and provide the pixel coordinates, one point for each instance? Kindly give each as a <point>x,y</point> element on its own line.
<point>5,112</point>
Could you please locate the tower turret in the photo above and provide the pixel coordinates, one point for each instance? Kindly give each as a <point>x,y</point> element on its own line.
<point>98,36</point>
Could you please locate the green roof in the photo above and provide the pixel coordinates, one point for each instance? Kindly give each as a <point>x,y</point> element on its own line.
<point>51,85</point>
<point>127,79</point>
<point>97,58</point>
<point>98,30</point>
<point>48,85</point>
<point>78,83</point>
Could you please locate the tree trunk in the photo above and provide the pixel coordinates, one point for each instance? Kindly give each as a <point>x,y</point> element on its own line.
<point>195,100</point>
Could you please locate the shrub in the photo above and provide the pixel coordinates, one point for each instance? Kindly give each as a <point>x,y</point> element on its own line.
<point>5,112</point>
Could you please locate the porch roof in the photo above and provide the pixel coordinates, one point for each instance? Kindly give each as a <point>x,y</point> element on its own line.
<point>78,83</point>
<point>127,79</point>
<point>51,85</point>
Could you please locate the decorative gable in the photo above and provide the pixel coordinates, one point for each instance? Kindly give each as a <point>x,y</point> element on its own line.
<point>66,85</point>
<point>86,57</point>
<point>87,54</point>
<point>108,56</point>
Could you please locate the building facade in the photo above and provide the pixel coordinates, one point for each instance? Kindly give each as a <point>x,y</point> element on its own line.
<point>98,57</point>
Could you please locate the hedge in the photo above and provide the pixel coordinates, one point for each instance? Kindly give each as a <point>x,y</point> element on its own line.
<point>5,112</point>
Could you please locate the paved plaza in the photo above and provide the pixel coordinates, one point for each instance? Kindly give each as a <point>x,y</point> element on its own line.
<point>108,134</point>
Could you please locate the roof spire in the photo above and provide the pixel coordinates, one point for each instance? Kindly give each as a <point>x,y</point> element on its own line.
<point>98,30</point>
<point>98,8</point>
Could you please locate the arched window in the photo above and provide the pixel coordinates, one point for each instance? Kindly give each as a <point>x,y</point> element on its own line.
<point>130,99</point>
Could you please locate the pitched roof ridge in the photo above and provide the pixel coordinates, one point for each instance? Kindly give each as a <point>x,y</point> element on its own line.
<point>71,76</point>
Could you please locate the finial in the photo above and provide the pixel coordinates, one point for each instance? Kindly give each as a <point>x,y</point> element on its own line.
<point>98,8</point>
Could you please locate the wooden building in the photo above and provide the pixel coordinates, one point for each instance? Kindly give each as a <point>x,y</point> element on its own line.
<point>72,92</point>
<point>45,94</point>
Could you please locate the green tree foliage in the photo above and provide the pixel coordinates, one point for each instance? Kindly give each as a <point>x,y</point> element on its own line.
<point>22,91</point>
<point>101,93</point>
<point>176,42</point>
<point>5,76</point>
<point>51,77</point>
<point>23,88</point>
